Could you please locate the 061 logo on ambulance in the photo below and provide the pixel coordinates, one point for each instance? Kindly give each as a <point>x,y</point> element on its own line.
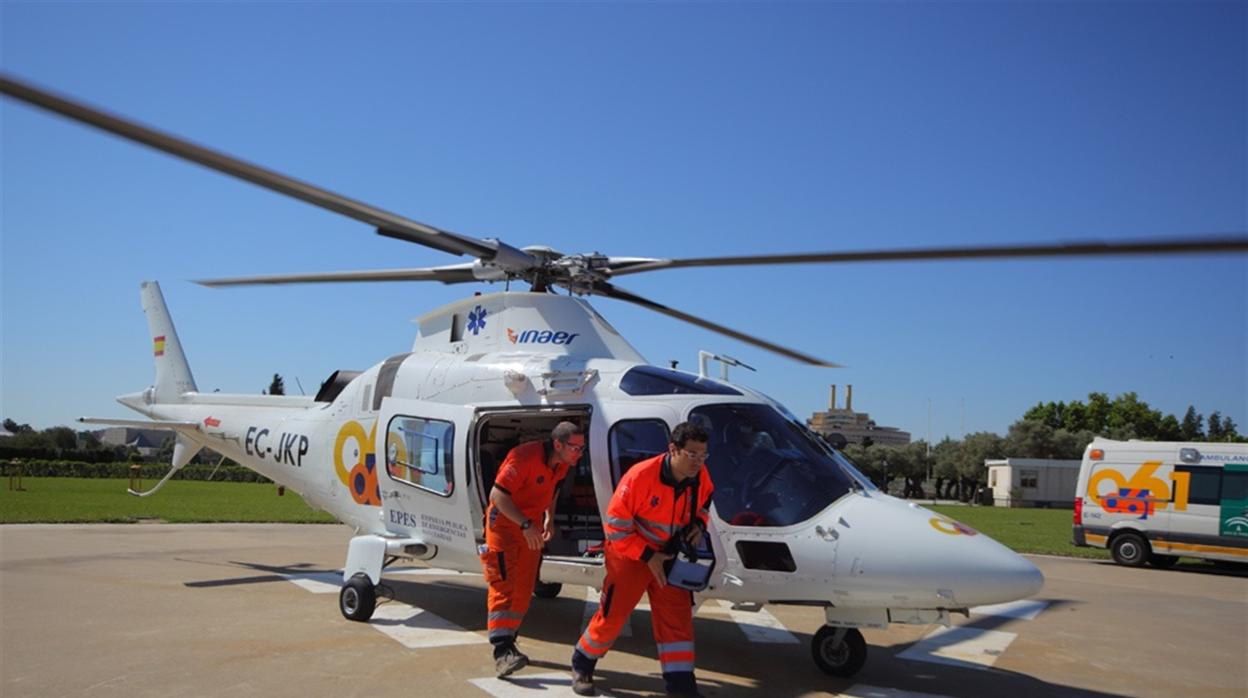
<point>1143,493</point>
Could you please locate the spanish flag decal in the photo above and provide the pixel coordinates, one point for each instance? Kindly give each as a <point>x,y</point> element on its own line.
<point>158,345</point>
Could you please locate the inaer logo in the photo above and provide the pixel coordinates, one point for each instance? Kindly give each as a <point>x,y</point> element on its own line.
<point>540,337</point>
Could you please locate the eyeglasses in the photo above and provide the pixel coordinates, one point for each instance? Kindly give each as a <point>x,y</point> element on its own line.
<point>574,447</point>
<point>694,455</point>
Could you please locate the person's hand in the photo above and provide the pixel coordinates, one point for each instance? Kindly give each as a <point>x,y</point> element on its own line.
<point>548,530</point>
<point>655,563</point>
<point>533,538</point>
<point>694,535</point>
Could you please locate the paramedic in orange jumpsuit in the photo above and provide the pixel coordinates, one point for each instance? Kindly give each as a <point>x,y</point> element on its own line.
<point>519,520</point>
<point>654,502</point>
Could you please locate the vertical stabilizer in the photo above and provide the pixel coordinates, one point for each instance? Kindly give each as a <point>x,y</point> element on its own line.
<point>173,375</point>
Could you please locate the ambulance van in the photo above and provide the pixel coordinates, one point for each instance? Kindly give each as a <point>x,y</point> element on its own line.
<point>1151,502</point>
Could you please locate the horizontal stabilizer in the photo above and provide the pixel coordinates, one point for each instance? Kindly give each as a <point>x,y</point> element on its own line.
<point>142,423</point>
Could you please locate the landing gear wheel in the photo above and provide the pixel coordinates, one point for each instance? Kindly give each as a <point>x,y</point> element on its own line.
<point>844,658</point>
<point>542,590</point>
<point>358,598</point>
<point>1130,549</point>
<point>1162,562</point>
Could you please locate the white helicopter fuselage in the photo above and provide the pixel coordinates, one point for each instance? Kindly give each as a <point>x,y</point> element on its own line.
<point>405,454</point>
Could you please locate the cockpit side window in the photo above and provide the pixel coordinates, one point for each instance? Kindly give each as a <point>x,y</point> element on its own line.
<point>634,440</point>
<point>651,380</point>
<point>766,471</point>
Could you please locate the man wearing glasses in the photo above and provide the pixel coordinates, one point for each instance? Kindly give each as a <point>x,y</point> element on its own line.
<point>518,522</point>
<point>658,502</point>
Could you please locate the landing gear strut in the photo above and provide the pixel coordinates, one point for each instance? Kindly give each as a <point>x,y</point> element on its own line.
<point>839,651</point>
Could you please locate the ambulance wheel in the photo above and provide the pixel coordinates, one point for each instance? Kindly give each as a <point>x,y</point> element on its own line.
<point>844,658</point>
<point>1130,549</point>
<point>542,590</point>
<point>358,598</point>
<point>1162,562</point>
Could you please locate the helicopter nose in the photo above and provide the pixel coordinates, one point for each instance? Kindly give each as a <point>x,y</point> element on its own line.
<point>998,575</point>
<point>928,558</point>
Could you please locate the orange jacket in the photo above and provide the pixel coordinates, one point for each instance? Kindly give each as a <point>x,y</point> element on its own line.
<point>649,507</point>
<point>529,480</point>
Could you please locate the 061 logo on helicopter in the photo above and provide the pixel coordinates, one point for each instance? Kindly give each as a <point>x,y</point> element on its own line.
<point>540,337</point>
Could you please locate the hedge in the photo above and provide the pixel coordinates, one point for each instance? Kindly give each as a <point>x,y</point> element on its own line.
<point>121,471</point>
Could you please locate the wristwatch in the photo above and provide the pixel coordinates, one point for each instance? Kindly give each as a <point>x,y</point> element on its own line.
<point>528,523</point>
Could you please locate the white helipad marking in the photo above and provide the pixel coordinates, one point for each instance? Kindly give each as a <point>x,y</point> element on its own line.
<point>860,691</point>
<point>592,598</point>
<point>410,626</point>
<point>415,628</point>
<point>317,582</point>
<point>1021,610</point>
<point>962,646</point>
<point>760,625</point>
<point>552,685</point>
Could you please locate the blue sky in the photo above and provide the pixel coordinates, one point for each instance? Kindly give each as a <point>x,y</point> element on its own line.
<point>666,130</point>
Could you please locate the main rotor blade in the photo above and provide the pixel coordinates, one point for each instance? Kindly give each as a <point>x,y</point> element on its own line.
<point>603,288</point>
<point>457,274</point>
<point>383,220</point>
<point>1228,243</point>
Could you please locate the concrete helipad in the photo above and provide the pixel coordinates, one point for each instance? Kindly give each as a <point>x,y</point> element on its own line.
<point>234,610</point>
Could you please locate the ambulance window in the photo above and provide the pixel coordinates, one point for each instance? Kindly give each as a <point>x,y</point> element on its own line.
<point>635,440</point>
<point>1204,485</point>
<point>420,452</point>
<point>1235,485</point>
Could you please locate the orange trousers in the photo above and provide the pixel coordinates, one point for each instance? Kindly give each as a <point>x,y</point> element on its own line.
<point>671,619</point>
<point>510,569</point>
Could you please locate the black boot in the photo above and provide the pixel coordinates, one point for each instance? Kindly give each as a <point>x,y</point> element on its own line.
<point>583,674</point>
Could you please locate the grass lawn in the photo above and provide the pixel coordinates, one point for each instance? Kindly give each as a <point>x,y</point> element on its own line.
<point>81,500</point>
<point>1044,531</point>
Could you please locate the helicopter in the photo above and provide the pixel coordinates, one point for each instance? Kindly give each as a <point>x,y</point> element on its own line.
<point>405,452</point>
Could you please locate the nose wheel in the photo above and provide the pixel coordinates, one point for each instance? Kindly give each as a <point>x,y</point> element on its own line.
<point>358,598</point>
<point>839,651</point>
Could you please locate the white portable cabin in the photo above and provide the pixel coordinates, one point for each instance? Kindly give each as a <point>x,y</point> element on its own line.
<point>1033,482</point>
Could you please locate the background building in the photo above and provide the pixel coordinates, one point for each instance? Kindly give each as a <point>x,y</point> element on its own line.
<point>856,427</point>
<point>1033,482</point>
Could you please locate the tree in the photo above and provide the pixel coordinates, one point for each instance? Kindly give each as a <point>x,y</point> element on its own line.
<point>63,438</point>
<point>277,387</point>
<point>1097,418</point>
<point>1127,411</point>
<point>1192,429</point>
<point>1028,438</point>
<point>1229,432</point>
<point>945,465</point>
<point>1215,432</point>
<point>977,448</point>
<point>14,428</point>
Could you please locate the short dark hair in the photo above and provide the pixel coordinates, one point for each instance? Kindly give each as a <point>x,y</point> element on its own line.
<point>686,432</point>
<point>563,430</point>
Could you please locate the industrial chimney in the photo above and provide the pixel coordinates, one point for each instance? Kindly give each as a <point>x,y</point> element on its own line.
<point>833,396</point>
<point>849,398</point>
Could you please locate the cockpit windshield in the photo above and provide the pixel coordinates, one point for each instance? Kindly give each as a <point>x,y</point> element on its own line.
<point>767,470</point>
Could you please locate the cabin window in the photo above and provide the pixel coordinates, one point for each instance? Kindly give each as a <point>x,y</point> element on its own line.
<point>635,440</point>
<point>420,452</point>
<point>651,380</point>
<point>1204,486</point>
<point>1029,479</point>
